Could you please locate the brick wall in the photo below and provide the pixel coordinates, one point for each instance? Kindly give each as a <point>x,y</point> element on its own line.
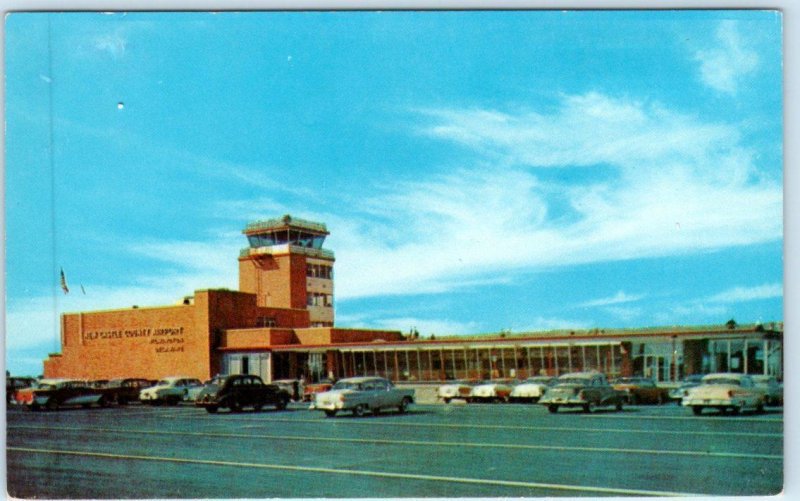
<point>144,342</point>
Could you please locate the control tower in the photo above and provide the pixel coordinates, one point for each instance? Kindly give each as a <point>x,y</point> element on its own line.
<point>286,267</point>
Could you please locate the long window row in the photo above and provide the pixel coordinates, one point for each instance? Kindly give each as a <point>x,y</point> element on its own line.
<point>280,237</point>
<point>517,362</point>
<point>319,271</point>
<point>319,299</point>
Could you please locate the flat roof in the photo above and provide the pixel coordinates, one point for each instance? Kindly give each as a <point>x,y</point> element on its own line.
<point>284,222</point>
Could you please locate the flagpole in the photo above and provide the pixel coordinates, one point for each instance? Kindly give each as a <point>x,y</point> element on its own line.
<point>56,323</point>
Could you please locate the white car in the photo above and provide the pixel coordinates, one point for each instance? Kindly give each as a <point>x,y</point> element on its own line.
<point>363,394</point>
<point>532,389</point>
<point>456,389</point>
<point>725,391</point>
<point>169,390</point>
<point>490,391</point>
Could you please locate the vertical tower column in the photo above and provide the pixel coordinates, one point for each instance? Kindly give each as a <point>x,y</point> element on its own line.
<point>286,267</point>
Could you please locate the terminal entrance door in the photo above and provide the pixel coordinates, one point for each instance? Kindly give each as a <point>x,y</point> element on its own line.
<point>256,364</point>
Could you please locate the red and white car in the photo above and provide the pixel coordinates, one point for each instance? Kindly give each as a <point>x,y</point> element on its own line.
<point>490,391</point>
<point>456,389</point>
<point>52,394</point>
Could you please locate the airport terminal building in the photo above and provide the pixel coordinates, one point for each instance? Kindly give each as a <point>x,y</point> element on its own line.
<point>280,325</point>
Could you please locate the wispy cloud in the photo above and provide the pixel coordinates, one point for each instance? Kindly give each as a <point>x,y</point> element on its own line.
<point>113,44</point>
<point>722,304</point>
<point>619,297</point>
<point>658,183</point>
<point>723,67</point>
<point>551,323</point>
<point>743,294</point>
<point>426,326</point>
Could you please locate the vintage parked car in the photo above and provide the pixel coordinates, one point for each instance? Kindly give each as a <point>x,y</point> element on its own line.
<point>51,394</point>
<point>725,391</point>
<point>124,391</point>
<point>312,389</point>
<point>241,390</point>
<point>13,384</point>
<point>587,390</point>
<point>194,391</point>
<point>456,389</point>
<point>687,384</point>
<point>362,394</point>
<point>490,391</point>
<point>169,390</point>
<point>773,390</point>
<point>532,389</point>
<point>292,386</point>
<point>640,390</point>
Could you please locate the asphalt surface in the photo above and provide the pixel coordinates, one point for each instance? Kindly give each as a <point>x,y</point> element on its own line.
<point>476,450</point>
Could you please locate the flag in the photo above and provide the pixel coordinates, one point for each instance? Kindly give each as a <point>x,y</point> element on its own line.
<point>64,282</point>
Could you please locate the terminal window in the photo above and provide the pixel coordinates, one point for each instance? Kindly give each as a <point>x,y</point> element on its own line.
<point>319,271</point>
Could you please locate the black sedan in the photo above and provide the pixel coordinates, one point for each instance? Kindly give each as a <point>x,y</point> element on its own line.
<point>238,391</point>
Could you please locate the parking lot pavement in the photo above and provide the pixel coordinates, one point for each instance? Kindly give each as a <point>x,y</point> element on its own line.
<point>433,451</point>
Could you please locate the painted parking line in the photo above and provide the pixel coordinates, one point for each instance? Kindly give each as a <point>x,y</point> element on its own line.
<point>417,443</point>
<point>366,473</point>
<point>370,422</point>
<point>731,419</point>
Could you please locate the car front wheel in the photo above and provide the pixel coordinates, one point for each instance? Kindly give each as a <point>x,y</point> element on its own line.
<point>211,409</point>
<point>588,408</point>
<point>330,413</point>
<point>358,410</point>
<point>697,410</point>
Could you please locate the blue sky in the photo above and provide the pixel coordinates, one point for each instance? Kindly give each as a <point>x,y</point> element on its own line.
<point>478,171</point>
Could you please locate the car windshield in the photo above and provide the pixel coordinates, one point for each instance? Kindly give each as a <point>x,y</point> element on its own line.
<point>164,382</point>
<point>539,379</point>
<point>573,380</point>
<point>347,385</point>
<point>628,380</point>
<point>722,380</point>
<point>46,386</point>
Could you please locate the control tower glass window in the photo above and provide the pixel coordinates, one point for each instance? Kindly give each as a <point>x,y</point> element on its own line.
<point>282,237</point>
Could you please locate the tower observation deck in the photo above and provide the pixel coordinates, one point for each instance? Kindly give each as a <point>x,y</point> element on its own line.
<point>286,267</point>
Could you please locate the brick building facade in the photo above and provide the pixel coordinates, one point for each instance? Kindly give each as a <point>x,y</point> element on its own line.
<point>280,324</point>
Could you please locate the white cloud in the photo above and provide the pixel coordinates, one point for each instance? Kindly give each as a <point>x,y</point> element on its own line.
<point>744,294</point>
<point>114,44</point>
<point>698,309</point>
<point>722,67</point>
<point>618,298</point>
<point>720,305</point>
<point>539,324</point>
<point>426,327</point>
<point>658,183</point>
<point>625,313</point>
